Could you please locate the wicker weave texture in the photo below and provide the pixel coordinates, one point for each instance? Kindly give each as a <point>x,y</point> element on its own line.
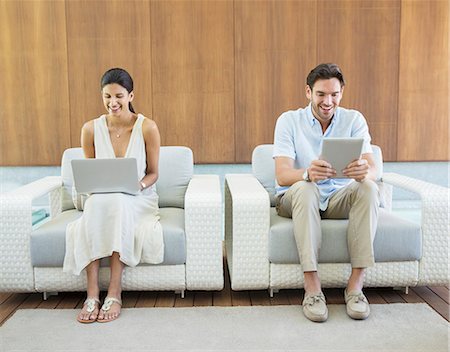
<point>203,223</point>
<point>203,270</point>
<point>386,192</point>
<point>247,217</point>
<point>55,202</point>
<point>168,277</point>
<point>336,275</point>
<point>433,268</point>
<point>16,273</point>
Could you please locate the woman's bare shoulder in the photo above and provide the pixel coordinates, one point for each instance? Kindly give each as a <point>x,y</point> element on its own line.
<point>148,125</point>
<point>88,126</point>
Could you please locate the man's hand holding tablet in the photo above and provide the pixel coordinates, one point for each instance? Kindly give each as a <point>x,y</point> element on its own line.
<point>320,170</point>
<point>340,158</point>
<point>357,170</point>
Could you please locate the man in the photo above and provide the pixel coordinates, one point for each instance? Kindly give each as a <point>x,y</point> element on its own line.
<point>307,191</point>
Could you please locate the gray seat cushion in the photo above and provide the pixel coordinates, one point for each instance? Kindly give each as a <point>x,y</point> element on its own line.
<point>48,242</point>
<point>396,240</point>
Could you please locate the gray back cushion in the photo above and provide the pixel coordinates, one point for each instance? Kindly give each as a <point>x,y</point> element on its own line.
<point>263,167</point>
<point>176,167</point>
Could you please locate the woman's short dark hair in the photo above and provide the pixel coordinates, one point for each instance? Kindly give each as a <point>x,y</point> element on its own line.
<point>121,77</point>
<point>324,71</point>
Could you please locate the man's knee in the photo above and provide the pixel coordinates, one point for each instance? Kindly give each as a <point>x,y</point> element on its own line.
<point>369,190</point>
<point>304,191</point>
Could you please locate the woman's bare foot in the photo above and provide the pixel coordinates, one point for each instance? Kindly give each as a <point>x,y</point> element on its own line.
<point>110,310</point>
<point>90,310</point>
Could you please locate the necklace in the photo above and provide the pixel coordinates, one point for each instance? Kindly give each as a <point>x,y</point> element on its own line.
<point>118,131</point>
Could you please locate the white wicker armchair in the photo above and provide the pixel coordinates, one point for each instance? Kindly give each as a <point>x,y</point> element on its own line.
<point>251,221</point>
<point>191,216</point>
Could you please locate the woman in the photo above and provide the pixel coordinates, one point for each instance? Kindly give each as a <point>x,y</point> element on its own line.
<point>122,227</point>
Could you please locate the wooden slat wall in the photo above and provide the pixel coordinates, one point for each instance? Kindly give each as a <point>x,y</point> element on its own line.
<point>275,50</point>
<point>34,99</point>
<point>423,115</point>
<point>363,37</point>
<point>215,75</point>
<point>102,35</point>
<point>193,82</point>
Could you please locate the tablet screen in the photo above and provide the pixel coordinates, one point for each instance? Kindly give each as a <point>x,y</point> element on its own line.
<point>340,152</point>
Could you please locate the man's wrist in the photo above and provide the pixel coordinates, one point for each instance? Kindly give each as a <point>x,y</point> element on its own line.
<point>143,185</point>
<point>306,175</point>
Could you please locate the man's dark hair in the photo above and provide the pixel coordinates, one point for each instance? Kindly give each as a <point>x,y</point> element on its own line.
<point>324,71</point>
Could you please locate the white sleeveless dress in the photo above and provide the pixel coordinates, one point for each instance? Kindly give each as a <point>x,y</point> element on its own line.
<point>117,222</point>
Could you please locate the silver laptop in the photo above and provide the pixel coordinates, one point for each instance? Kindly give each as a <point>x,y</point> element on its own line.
<point>106,175</point>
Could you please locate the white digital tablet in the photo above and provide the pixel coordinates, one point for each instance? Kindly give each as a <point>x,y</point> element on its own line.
<point>106,175</point>
<point>340,152</point>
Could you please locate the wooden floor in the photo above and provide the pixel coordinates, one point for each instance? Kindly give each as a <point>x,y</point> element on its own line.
<point>436,297</point>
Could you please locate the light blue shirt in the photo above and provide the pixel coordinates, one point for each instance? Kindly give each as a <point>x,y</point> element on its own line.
<point>299,136</point>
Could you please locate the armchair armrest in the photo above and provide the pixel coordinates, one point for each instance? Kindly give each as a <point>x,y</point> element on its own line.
<point>433,267</point>
<point>16,272</point>
<point>203,224</point>
<point>247,222</point>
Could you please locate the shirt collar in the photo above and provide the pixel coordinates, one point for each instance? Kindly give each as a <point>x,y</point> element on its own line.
<point>312,120</point>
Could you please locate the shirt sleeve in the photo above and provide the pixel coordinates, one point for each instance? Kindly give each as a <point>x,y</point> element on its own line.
<point>361,129</point>
<point>284,138</point>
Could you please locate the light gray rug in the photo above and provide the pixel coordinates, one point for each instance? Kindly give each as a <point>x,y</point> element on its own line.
<point>391,327</point>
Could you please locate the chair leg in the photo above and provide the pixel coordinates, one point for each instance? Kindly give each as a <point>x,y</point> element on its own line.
<point>48,294</point>
<point>404,289</point>
<point>272,291</point>
<point>181,292</point>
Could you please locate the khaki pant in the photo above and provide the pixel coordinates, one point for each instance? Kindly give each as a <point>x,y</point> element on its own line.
<point>358,202</point>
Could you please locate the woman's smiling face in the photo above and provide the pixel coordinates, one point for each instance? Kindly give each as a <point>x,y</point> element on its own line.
<point>116,99</point>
